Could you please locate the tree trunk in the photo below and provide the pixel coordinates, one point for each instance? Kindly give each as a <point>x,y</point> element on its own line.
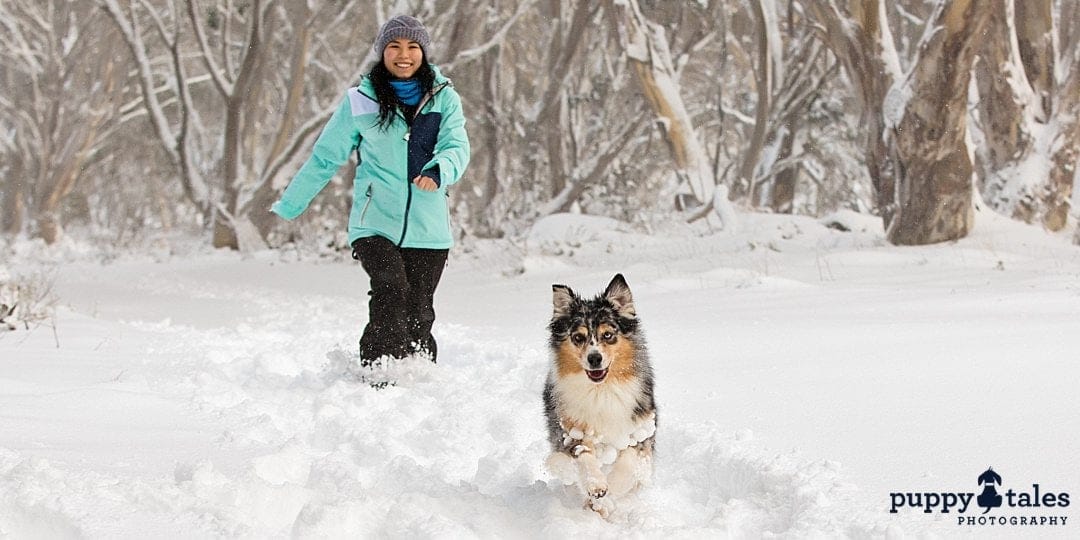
<point>483,224</point>
<point>1010,102</point>
<point>258,208</point>
<point>928,155</point>
<point>236,99</point>
<point>1005,98</point>
<point>14,199</point>
<point>569,42</point>
<point>864,45</point>
<point>763,80</point>
<point>1055,200</point>
<point>781,190</point>
<point>1035,38</point>
<point>1068,24</point>
<point>64,174</point>
<point>555,124</point>
<point>648,52</point>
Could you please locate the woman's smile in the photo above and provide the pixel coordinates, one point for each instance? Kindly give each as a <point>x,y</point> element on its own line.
<point>402,57</point>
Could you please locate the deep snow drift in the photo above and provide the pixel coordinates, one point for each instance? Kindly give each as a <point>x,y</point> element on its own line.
<point>803,375</point>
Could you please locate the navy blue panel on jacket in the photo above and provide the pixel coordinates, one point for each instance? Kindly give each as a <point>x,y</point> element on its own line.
<point>422,137</point>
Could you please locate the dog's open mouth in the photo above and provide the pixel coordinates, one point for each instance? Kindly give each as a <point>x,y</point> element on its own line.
<point>597,375</point>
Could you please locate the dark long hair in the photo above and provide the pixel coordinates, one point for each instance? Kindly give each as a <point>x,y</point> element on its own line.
<point>384,93</point>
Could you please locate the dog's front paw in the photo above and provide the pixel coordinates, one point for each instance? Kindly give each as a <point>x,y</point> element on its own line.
<point>603,506</point>
<point>596,487</point>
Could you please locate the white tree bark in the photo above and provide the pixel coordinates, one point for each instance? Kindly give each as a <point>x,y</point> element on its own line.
<point>928,154</point>
<point>1006,106</point>
<point>863,42</point>
<point>646,45</point>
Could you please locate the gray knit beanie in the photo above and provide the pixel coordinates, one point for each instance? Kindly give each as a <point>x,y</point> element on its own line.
<point>402,26</point>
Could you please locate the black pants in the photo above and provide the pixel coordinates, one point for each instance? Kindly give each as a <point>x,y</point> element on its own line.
<point>400,310</point>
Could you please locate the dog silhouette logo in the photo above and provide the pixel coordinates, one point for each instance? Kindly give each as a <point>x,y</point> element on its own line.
<point>989,498</point>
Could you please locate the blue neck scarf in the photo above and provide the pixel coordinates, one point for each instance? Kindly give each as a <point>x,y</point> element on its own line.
<point>408,91</point>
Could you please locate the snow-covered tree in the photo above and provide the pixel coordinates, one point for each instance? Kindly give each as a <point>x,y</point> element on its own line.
<point>549,118</point>
<point>228,150</point>
<point>920,123</point>
<point>928,158</point>
<point>1064,147</point>
<point>1024,160</point>
<point>862,41</point>
<point>917,150</point>
<point>64,89</point>
<point>616,108</point>
<point>798,68</point>
<point>646,46</point>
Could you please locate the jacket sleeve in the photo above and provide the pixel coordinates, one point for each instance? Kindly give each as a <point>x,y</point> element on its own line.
<point>332,149</point>
<point>452,151</point>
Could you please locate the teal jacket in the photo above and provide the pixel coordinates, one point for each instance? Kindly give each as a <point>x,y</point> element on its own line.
<point>385,201</point>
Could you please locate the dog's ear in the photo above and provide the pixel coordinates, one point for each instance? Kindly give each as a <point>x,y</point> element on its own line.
<point>562,297</point>
<point>618,293</point>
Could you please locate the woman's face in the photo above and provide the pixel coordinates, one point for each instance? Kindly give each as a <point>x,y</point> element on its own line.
<point>402,57</point>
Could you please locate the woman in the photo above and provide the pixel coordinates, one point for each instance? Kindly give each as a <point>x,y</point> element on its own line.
<point>405,123</point>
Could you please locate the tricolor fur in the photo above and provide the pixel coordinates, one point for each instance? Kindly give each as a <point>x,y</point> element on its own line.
<point>598,398</point>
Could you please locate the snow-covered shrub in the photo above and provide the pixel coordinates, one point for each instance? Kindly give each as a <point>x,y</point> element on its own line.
<point>25,298</point>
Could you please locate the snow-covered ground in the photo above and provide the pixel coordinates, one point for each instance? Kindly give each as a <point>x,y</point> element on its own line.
<point>803,375</point>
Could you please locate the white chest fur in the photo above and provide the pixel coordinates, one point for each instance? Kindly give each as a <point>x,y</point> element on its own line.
<point>602,415</point>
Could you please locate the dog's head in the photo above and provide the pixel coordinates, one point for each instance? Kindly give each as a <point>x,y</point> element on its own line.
<point>594,337</point>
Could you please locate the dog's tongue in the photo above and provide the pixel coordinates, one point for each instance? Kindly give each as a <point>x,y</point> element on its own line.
<point>597,375</point>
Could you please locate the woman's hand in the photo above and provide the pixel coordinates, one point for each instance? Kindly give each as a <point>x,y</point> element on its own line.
<point>425,183</point>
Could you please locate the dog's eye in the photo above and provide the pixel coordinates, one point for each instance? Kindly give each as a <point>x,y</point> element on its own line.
<point>608,336</point>
<point>578,339</point>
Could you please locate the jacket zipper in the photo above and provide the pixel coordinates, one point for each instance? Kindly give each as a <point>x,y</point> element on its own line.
<point>408,131</point>
<point>423,101</point>
<point>405,222</point>
<point>448,226</point>
<point>366,205</point>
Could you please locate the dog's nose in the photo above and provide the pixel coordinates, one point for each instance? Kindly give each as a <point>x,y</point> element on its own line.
<point>595,359</point>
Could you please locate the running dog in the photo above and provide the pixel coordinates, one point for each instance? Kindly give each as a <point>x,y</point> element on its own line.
<point>598,398</point>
